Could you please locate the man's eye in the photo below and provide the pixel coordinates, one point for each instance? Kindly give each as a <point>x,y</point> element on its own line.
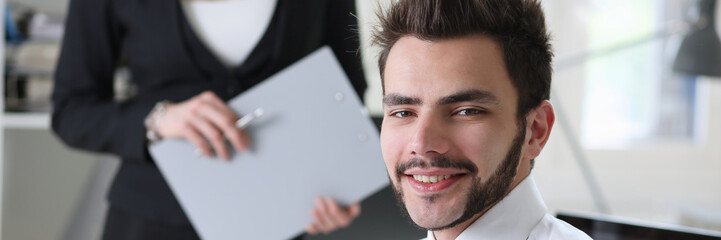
<point>470,112</point>
<point>402,114</point>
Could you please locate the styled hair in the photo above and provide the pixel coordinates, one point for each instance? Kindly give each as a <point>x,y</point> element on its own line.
<point>517,26</point>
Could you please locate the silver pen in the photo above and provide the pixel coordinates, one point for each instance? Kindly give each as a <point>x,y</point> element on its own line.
<point>243,122</point>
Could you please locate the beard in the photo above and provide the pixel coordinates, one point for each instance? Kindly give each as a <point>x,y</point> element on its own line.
<point>481,195</point>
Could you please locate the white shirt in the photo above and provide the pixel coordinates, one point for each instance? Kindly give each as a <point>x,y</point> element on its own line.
<point>520,215</point>
<point>230,28</point>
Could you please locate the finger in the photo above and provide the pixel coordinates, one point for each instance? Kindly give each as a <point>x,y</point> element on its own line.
<point>320,214</point>
<point>318,225</point>
<point>222,113</point>
<point>318,220</point>
<point>311,229</point>
<point>338,216</point>
<point>237,138</point>
<point>244,140</point>
<point>243,143</point>
<point>354,209</point>
<point>216,102</point>
<point>198,141</point>
<point>226,123</point>
<point>213,135</point>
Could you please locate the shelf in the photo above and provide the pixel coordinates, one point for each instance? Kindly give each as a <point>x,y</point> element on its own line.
<point>26,120</point>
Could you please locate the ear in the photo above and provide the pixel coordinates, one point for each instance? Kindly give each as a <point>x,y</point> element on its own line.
<point>539,123</point>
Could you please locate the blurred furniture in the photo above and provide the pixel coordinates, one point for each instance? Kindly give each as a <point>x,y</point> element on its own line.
<point>604,227</point>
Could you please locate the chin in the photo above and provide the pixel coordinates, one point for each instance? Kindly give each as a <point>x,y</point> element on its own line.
<point>434,214</point>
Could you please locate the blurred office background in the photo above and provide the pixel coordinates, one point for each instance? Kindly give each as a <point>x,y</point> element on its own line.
<point>637,140</point>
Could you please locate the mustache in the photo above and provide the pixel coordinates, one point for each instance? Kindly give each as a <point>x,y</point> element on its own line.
<point>438,161</point>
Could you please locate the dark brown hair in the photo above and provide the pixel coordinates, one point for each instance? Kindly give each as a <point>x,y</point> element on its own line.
<point>517,26</point>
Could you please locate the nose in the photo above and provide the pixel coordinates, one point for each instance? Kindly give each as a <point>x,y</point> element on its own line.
<point>430,137</point>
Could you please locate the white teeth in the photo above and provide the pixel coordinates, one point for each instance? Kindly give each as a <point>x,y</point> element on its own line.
<point>431,179</point>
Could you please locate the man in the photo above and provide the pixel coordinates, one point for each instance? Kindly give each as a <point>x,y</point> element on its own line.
<point>466,84</point>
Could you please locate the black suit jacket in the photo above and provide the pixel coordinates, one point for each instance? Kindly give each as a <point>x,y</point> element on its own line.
<point>168,62</point>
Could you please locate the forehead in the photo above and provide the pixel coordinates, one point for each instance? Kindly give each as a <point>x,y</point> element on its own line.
<point>432,69</point>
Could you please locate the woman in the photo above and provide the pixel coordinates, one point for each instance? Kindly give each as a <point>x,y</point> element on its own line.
<point>183,81</point>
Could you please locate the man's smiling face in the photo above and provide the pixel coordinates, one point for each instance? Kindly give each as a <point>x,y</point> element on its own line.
<point>450,137</point>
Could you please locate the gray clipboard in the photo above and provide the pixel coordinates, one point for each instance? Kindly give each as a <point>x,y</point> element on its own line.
<point>314,138</point>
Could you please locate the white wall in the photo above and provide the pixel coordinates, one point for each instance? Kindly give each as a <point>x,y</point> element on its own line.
<point>44,184</point>
<point>662,182</point>
<point>46,6</point>
<point>2,123</point>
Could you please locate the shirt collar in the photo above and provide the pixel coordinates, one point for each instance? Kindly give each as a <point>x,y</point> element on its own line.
<point>512,218</point>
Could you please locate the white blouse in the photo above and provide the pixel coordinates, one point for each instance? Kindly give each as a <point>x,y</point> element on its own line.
<point>230,29</point>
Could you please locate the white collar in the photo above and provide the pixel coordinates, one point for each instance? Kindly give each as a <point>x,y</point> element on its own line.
<point>512,218</point>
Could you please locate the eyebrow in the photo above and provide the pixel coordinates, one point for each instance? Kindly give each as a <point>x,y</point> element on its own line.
<point>470,95</point>
<point>394,99</point>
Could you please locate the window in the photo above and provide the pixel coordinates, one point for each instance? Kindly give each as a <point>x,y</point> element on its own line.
<point>632,96</point>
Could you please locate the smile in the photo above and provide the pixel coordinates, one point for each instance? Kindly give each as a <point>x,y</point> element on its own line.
<point>430,179</point>
<point>432,183</point>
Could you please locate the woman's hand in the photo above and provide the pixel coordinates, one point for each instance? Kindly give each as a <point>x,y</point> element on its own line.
<point>328,216</point>
<point>204,117</point>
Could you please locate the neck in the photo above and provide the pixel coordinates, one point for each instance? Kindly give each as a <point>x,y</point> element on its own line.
<point>454,232</point>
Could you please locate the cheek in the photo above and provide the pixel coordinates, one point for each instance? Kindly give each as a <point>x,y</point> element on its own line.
<point>392,147</point>
<point>483,145</point>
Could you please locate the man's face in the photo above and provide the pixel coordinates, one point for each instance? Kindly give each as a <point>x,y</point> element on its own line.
<point>450,138</point>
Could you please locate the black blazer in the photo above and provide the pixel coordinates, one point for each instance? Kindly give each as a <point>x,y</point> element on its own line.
<point>168,62</point>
